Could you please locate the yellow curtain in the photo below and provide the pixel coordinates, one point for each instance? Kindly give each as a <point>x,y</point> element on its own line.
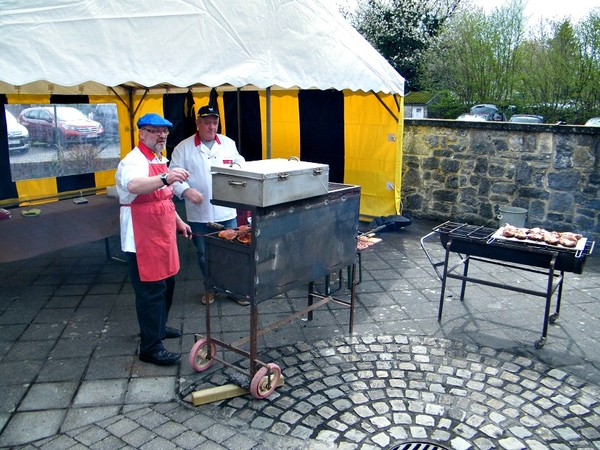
<point>373,157</point>
<point>285,123</point>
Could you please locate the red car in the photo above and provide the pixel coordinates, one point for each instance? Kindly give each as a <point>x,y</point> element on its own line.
<point>60,125</point>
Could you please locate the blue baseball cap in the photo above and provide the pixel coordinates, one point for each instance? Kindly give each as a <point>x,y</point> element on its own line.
<point>153,120</point>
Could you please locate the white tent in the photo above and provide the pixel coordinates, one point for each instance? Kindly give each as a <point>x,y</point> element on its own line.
<point>83,46</point>
<point>134,52</point>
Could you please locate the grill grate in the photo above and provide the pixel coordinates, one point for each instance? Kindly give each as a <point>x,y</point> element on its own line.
<point>465,231</point>
<point>332,187</point>
<point>477,234</point>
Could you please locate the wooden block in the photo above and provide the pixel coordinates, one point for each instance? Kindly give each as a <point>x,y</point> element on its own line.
<point>217,393</point>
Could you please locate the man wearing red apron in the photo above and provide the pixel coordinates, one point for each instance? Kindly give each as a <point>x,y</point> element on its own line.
<point>149,226</point>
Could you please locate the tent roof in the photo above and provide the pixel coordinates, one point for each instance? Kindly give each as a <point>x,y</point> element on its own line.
<point>83,46</point>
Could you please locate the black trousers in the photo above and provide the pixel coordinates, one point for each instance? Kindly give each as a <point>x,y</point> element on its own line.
<point>153,300</point>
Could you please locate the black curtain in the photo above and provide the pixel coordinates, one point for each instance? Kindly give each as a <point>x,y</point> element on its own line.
<point>179,110</point>
<point>8,189</point>
<point>322,130</point>
<point>247,131</point>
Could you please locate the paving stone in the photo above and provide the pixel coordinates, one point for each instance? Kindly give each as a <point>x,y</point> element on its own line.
<point>80,417</point>
<point>100,392</point>
<point>189,440</point>
<point>31,426</point>
<point>138,437</point>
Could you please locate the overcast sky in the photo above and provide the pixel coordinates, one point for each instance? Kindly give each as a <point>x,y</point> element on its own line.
<point>547,9</point>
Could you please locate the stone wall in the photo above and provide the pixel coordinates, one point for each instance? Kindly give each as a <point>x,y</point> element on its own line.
<point>466,171</point>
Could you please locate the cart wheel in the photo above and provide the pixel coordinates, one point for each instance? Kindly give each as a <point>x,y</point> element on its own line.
<point>199,355</point>
<point>553,318</point>
<point>265,381</point>
<point>539,343</point>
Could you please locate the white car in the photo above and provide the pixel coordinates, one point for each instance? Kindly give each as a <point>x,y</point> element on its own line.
<point>472,118</point>
<point>593,122</point>
<point>18,136</point>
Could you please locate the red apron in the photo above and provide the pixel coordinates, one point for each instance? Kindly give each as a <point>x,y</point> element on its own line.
<point>155,231</point>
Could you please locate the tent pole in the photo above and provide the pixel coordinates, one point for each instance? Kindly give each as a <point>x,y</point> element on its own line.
<point>239,119</point>
<point>268,127</point>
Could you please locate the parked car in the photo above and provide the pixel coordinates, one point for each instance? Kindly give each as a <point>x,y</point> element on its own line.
<point>593,122</point>
<point>526,118</point>
<point>60,125</point>
<point>472,117</point>
<point>490,112</point>
<point>18,136</point>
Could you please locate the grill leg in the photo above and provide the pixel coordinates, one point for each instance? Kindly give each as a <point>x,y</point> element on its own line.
<point>463,286</point>
<point>540,343</point>
<point>444,278</point>
<point>253,338</point>
<point>554,317</point>
<point>311,286</point>
<point>352,292</point>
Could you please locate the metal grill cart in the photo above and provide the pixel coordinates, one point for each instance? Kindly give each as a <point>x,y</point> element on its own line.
<point>292,245</point>
<point>487,245</point>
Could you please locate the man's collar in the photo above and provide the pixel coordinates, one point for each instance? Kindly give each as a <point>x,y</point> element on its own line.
<point>149,153</point>
<point>197,141</point>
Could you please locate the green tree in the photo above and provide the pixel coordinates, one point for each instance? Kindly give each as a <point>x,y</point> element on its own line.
<point>588,32</point>
<point>401,30</point>
<point>562,78</point>
<point>477,56</point>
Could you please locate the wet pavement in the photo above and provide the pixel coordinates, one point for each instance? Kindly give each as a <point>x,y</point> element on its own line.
<point>71,377</point>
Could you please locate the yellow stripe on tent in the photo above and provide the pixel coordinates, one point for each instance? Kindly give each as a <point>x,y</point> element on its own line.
<point>371,151</point>
<point>41,188</point>
<point>285,123</point>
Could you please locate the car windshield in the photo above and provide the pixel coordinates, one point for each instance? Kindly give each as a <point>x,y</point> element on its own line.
<point>69,114</point>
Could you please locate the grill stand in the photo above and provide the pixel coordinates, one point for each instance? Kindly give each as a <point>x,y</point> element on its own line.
<point>201,359</point>
<point>554,282</point>
<point>254,262</point>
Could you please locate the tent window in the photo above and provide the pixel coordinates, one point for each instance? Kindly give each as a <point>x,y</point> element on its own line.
<point>56,140</point>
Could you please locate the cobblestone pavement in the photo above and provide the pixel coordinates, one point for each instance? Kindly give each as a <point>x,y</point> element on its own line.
<point>474,380</point>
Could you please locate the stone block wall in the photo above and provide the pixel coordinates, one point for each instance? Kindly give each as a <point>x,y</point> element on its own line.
<point>467,171</point>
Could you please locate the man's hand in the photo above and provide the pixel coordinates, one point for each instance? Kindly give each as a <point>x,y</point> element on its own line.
<point>193,195</point>
<point>183,228</point>
<point>177,174</point>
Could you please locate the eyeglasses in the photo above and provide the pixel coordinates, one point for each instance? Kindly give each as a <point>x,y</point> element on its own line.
<point>157,132</point>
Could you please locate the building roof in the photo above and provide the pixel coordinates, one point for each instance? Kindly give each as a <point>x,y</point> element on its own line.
<point>419,98</point>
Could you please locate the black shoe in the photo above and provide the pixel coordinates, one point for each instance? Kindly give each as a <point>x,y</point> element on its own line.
<point>162,357</point>
<point>172,333</point>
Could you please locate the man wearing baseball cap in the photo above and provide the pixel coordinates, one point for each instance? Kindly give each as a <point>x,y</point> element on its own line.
<point>149,226</point>
<point>197,154</point>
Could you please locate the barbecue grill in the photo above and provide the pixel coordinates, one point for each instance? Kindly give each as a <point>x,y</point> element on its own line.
<point>487,245</point>
<point>293,244</point>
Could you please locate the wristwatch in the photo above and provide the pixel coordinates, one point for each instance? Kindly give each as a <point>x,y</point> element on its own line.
<point>163,178</point>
